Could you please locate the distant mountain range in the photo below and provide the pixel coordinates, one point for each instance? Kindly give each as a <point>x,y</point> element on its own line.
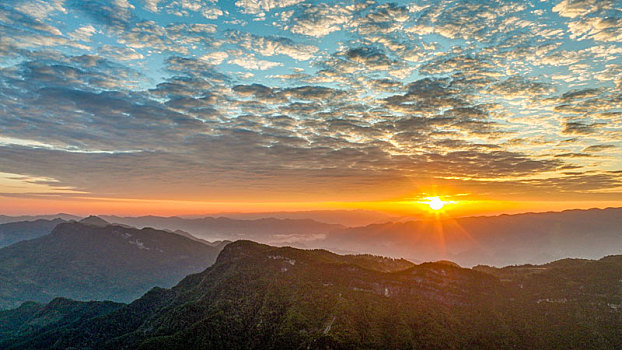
<point>339,217</point>
<point>262,297</point>
<point>494,240</point>
<point>67,217</point>
<point>267,230</point>
<point>94,260</point>
<point>350,218</point>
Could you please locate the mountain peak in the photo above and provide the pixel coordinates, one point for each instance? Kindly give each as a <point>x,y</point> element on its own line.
<point>447,263</point>
<point>94,221</point>
<point>125,262</point>
<point>240,249</point>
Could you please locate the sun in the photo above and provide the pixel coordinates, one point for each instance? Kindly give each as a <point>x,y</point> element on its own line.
<point>436,203</point>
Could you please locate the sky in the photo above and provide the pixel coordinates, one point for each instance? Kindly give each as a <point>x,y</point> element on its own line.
<point>190,106</point>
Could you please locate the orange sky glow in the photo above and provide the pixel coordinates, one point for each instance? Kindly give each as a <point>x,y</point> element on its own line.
<point>407,207</point>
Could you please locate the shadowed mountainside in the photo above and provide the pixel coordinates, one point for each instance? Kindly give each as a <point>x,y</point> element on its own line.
<point>261,297</point>
<point>84,261</point>
<point>14,232</point>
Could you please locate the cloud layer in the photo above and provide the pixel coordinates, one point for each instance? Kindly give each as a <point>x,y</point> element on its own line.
<point>305,100</point>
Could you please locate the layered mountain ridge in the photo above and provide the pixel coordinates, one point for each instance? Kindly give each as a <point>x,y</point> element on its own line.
<point>261,297</point>
<point>502,240</point>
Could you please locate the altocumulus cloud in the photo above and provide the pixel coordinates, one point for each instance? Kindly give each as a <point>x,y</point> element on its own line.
<point>296,97</point>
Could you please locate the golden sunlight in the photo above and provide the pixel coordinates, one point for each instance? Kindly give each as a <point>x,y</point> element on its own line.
<point>436,203</point>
